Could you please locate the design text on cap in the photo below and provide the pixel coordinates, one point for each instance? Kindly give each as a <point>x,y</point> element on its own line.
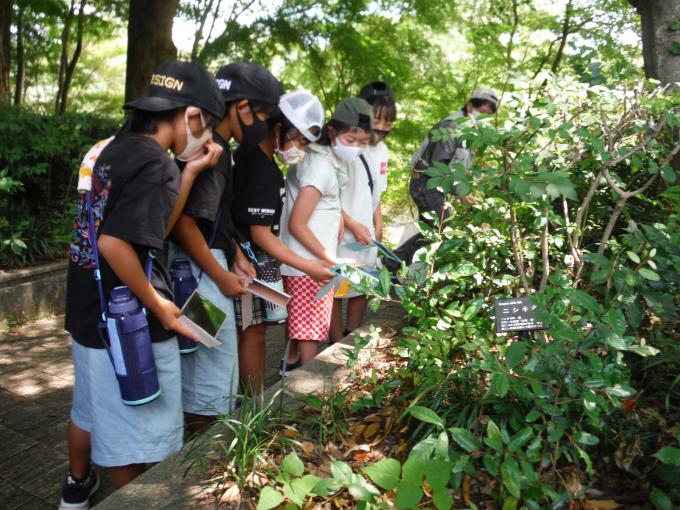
<point>166,81</point>
<point>223,84</point>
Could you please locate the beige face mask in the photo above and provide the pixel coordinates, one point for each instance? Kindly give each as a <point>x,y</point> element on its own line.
<point>195,145</point>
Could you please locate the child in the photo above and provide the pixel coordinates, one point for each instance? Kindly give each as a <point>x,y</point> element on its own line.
<point>136,194</point>
<point>312,220</point>
<point>257,210</point>
<point>210,376</point>
<point>360,201</point>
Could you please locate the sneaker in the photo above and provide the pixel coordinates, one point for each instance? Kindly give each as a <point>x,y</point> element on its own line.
<point>76,495</point>
<point>289,367</point>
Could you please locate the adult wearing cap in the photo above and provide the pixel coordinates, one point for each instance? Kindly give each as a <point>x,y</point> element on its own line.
<point>311,222</point>
<point>360,199</point>
<point>448,151</point>
<point>257,210</point>
<point>134,194</point>
<point>206,235</point>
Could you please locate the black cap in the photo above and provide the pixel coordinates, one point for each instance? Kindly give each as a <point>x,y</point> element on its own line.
<point>247,80</point>
<point>354,112</point>
<point>178,84</point>
<point>376,89</point>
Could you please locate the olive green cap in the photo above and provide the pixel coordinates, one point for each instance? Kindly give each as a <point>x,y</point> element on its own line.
<point>355,112</point>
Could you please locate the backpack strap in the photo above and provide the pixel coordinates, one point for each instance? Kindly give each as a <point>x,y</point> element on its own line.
<point>368,172</point>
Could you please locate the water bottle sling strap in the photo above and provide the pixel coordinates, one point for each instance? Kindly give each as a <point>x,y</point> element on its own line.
<point>95,253</point>
<point>368,172</point>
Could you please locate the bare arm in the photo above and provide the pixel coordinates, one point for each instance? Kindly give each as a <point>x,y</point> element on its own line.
<point>190,237</point>
<point>378,223</point>
<point>123,260</point>
<point>360,231</point>
<point>303,208</point>
<point>264,238</point>
<point>191,171</point>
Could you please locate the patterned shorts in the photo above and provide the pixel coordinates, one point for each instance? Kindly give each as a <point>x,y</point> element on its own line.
<point>308,319</point>
<point>258,312</point>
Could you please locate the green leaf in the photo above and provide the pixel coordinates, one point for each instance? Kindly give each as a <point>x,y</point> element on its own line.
<point>584,300</point>
<point>269,498</point>
<point>511,476</point>
<point>492,464</point>
<point>586,438</point>
<point>385,473</point>
<point>500,384</point>
<point>341,471</point>
<point>408,496</point>
<point>361,490</point>
<point>668,174</point>
<point>326,487</point>
<point>674,25</point>
<point>669,455</point>
<point>441,446</point>
<point>426,415</point>
<point>633,256</point>
<point>413,471</point>
<point>649,274</point>
<point>442,499</point>
<point>509,503</point>
<point>521,438</point>
<point>493,436</point>
<point>292,465</point>
<point>660,500</point>
<point>674,48</point>
<point>515,354</point>
<point>438,472</point>
<point>532,416</point>
<point>465,439</point>
<point>295,491</point>
<point>586,458</point>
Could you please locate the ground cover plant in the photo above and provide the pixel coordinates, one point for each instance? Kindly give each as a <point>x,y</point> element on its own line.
<point>578,208</point>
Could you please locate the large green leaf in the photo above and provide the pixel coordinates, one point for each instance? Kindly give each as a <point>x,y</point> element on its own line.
<point>385,473</point>
<point>465,439</point>
<point>425,414</point>
<point>511,476</point>
<point>292,465</point>
<point>269,498</point>
<point>669,455</point>
<point>515,354</point>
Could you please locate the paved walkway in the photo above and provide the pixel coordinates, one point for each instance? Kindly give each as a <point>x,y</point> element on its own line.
<point>36,379</point>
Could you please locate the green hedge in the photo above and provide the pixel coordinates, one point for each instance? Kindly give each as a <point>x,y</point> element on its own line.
<point>39,159</point>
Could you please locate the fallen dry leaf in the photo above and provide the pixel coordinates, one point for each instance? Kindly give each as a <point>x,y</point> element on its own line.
<point>602,504</point>
<point>232,496</point>
<point>308,446</point>
<point>361,456</point>
<point>290,433</point>
<point>371,430</point>
<point>466,490</point>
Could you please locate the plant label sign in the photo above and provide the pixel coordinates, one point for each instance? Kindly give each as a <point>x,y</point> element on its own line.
<point>515,314</point>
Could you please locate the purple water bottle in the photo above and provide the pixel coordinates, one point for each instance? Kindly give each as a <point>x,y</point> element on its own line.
<point>183,284</point>
<point>130,348</point>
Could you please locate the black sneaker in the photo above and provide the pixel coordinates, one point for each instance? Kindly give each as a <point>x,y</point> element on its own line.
<point>289,367</point>
<point>76,495</point>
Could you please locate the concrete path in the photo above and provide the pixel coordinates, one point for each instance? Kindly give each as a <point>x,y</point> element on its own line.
<point>36,379</point>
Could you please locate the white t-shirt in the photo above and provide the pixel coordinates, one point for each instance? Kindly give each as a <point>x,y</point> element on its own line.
<point>317,169</point>
<point>358,201</point>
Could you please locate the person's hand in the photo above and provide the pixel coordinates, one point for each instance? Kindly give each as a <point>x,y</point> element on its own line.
<point>468,199</point>
<point>168,315</point>
<point>361,233</point>
<point>211,155</point>
<point>318,271</point>
<point>242,266</point>
<point>231,284</point>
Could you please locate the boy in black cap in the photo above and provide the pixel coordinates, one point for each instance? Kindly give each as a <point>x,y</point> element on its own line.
<point>136,195</point>
<point>210,376</point>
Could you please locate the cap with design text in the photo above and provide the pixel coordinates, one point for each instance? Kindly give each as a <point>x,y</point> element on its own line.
<point>178,84</point>
<point>248,80</point>
<point>354,112</point>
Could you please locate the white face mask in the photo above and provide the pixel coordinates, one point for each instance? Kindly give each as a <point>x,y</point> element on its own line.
<point>292,156</point>
<point>195,145</point>
<point>346,153</point>
<point>474,114</point>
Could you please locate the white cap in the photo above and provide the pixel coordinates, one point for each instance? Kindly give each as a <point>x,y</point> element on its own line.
<point>304,110</point>
<point>486,95</point>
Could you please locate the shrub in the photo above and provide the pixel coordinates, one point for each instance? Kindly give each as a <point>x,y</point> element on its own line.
<point>39,160</point>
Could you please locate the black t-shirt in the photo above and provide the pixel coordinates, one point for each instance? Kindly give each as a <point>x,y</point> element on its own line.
<point>213,192</point>
<point>259,189</point>
<point>134,189</point>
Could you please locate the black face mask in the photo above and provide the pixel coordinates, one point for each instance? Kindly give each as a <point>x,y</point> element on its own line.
<point>256,132</point>
<point>382,133</point>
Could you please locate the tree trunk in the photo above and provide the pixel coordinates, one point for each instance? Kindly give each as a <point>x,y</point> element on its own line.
<point>5,50</point>
<point>658,36</point>
<point>149,42</point>
<point>70,65</point>
<point>21,60</point>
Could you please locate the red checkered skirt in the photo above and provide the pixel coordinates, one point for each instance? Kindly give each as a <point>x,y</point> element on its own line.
<point>308,319</point>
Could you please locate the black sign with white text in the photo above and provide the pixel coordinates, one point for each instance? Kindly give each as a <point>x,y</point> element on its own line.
<point>515,314</point>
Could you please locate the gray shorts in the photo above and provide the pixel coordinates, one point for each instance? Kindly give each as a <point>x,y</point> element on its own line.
<point>122,434</point>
